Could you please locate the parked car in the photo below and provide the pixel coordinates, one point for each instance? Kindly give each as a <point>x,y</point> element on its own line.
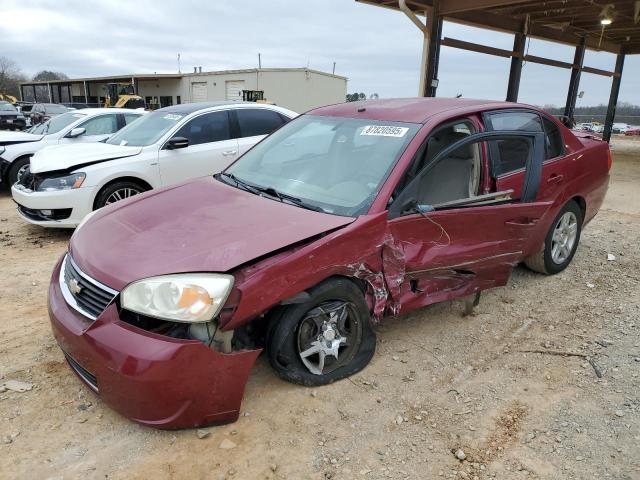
<point>632,131</point>
<point>619,128</point>
<point>345,215</point>
<point>10,117</point>
<point>87,125</point>
<point>41,112</point>
<point>76,105</point>
<point>169,145</point>
<point>25,109</point>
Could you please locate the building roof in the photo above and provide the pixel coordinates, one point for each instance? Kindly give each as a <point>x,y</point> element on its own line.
<point>157,76</point>
<point>410,110</point>
<point>562,21</point>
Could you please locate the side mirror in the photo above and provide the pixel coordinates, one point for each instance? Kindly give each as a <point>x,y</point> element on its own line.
<point>76,132</point>
<point>177,142</point>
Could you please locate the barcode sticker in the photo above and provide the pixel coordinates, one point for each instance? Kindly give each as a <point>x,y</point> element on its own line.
<point>384,131</point>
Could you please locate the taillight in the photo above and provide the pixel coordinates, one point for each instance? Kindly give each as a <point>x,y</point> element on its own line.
<point>609,158</point>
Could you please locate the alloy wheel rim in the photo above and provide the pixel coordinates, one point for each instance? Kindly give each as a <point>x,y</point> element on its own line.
<point>121,194</point>
<point>328,337</point>
<point>564,237</point>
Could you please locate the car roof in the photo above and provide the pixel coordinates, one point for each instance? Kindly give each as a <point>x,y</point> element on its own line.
<point>410,110</point>
<point>188,108</point>
<point>96,110</point>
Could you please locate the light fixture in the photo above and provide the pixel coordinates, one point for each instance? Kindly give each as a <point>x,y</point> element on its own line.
<point>606,15</point>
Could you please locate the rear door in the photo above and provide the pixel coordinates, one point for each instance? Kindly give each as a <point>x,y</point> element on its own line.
<point>452,238</point>
<point>253,124</point>
<point>211,148</point>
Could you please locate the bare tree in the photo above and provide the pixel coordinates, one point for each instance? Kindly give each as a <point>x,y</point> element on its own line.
<point>10,77</point>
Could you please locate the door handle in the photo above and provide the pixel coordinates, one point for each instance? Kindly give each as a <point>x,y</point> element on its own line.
<point>522,222</point>
<point>555,178</point>
<point>226,153</point>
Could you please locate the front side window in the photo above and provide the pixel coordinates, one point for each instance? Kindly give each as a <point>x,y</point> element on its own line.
<point>130,117</point>
<point>332,163</point>
<point>253,122</point>
<point>52,108</point>
<point>511,155</point>
<point>102,125</point>
<point>207,128</point>
<point>57,123</point>
<point>148,130</point>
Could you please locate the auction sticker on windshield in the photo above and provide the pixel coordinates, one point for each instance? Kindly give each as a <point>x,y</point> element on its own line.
<point>172,116</point>
<point>384,131</point>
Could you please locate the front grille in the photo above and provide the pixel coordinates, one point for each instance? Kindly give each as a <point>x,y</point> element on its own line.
<point>87,376</point>
<point>83,293</point>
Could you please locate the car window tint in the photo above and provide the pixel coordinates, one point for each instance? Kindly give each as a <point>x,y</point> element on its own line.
<point>210,127</point>
<point>553,139</point>
<point>254,122</point>
<point>511,155</point>
<point>102,125</point>
<point>130,117</point>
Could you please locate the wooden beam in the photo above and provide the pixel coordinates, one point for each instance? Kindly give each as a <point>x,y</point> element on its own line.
<point>448,7</point>
<point>613,98</point>
<point>515,71</point>
<point>475,47</point>
<point>547,61</point>
<point>597,71</point>
<point>574,82</point>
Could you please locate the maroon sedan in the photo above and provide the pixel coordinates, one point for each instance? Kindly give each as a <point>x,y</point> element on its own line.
<point>348,214</point>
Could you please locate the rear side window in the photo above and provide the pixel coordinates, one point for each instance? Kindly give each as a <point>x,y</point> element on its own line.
<point>130,117</point>
<point>552,139</point>
<point>207,128</point>
<point>254,122</point>
<point>511,155</point>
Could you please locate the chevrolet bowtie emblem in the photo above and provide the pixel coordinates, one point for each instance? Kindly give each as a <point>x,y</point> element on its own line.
<point>74,286</point>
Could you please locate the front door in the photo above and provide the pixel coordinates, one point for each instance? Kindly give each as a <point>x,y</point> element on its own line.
<point>210,149</point>
<point>453,239</point>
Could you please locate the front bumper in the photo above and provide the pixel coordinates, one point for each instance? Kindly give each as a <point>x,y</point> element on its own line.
<point>79,201</point>
<point>151,379</point>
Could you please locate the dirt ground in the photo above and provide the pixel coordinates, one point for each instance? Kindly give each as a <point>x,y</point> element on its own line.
<point>439,382</point>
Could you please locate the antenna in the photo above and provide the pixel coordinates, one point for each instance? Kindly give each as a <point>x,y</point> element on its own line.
<point>179,64</point>
<point>334,68</point>
<point>259,61</point>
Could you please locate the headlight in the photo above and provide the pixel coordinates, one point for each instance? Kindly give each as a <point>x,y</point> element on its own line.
<point>68,182</point>
<point>191,297</point>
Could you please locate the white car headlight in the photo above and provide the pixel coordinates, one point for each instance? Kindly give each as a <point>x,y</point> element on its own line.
<point>189,297</point>
<point>67,182</point>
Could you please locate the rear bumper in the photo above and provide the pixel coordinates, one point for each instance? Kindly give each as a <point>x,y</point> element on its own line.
<point>13,123</point>
<point>148,378</point>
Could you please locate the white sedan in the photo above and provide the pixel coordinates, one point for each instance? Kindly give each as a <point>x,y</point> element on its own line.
<point>173,144</point>
<point>76,126</point>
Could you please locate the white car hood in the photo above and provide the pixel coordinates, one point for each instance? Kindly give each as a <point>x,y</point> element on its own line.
<point>63,157</point>
<point>18,137</point>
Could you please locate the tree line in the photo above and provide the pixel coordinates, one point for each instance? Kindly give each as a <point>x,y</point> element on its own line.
<point>11,76</point>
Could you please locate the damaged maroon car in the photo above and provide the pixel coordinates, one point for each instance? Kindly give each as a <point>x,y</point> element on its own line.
<point>347,214</point>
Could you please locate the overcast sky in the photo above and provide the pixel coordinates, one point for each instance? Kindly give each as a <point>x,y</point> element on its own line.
<point>377,49</point>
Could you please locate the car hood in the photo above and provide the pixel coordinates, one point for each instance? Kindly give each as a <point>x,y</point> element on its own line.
<point>63,157</point>
<point>199,226</point>
<point>8,138</point>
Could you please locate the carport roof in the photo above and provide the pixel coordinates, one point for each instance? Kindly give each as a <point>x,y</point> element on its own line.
<point>562,21</point>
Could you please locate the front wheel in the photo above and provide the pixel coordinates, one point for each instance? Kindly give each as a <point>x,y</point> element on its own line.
<point>117,191</point>
<point>324,339</point>
<point>561,242</point>
<point>18,168</point>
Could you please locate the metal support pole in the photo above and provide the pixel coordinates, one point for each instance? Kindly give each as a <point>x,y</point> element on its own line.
<point>86,92</point>
<point>613,98</point>
<point>574,83</point>
<point>50,92</point>
<point>434,26</point>
<point>519,43</point>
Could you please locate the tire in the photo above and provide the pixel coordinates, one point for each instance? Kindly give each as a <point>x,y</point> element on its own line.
<point>291,327</point>
<point>547,260</point>
<point>122,188</point>
<point>17,169</point>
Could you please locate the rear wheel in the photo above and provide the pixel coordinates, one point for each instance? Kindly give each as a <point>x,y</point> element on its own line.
<point>324,339</point>
<point>561,242</point>
<point>117,191</point>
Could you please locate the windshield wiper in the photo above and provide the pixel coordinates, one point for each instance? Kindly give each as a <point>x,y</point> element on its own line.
<point>240,183</point>
<point>272,192</point>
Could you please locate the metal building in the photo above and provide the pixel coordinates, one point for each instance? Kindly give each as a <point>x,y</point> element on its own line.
<point>603,25</point>
<point>298,89</point>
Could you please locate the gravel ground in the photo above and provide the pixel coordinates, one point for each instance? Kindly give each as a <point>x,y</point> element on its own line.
<point>445,396</point>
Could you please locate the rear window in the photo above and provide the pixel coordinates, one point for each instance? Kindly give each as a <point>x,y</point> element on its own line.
<point>254,122</point>
<point>511,155</point>
<point>552,139</point>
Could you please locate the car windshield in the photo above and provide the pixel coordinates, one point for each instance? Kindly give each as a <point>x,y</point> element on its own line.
<point>55,124</point>
<point>146,130</point>
<point>7,107</point>
<point>54,108</point>
<point>332,164</point>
